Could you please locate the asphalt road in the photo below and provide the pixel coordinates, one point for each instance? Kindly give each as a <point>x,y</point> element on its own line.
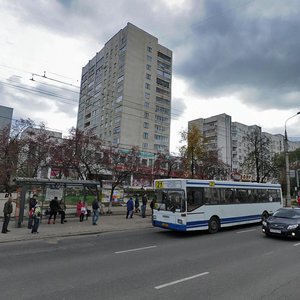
<point>239,263</point>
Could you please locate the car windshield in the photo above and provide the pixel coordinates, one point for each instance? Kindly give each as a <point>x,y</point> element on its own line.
<point>170,200</point>
<point>287,213</point>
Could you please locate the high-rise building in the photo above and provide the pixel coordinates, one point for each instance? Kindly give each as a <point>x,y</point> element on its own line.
<point>217,131</point>
<point>125,93</point>
<point>6,114</point>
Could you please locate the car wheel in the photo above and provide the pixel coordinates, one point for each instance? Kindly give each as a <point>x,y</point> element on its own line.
<point>213,225</point>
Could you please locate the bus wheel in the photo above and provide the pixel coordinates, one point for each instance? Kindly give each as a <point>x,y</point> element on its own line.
<point>213,225</point>
<point>264,216</point>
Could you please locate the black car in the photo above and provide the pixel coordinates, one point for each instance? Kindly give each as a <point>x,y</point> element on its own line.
<point>284,222</point>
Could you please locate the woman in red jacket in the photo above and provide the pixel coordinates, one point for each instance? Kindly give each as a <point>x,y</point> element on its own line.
<point>81,209</point>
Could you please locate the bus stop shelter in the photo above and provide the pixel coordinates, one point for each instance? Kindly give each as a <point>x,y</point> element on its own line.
<point>26,184</point>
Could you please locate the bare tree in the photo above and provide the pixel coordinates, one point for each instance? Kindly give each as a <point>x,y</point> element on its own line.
<point>121,164</point>
<point>10,147</point>
<point>259,161</point>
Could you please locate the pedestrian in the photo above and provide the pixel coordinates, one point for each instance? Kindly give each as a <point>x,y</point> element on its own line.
<point>62,211</point>
<point>81,210</point>
<point>152,205</point>
<point>32,203</point>
<point>144,205</point>
<point>129,206</point>
<point>298,200</point>
<point>137,204</point>
<point>36,218</point>
<point>7,210</point>
<point>95,207</point>
<point>54,208</point>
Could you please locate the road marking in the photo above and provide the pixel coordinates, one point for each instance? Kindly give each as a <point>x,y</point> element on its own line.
<point>136,249</point>
<point>243,231</point>
<point>298,244</point>
<point>180,280</point>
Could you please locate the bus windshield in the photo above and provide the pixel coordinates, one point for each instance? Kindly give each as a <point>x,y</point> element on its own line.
<point>170,200</point>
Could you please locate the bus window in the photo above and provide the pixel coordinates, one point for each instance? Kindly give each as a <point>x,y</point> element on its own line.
<point>170,200</point>
<point>194,198</point>
<point>229,196</point>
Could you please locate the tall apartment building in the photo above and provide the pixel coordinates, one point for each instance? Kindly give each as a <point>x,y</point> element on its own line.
<point>217,130</point>
<point>230,139</point>
<point>239,143</point>
<point>6,114</point>
<point>125,93</point>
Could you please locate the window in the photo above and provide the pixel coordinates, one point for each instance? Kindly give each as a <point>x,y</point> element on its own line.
<point>145,135</point>
<point>121,78</point>
<point>164,56</point>
<point>148,67</point>
<point>163,83</point>
<point>147,86</point>
<point>146,125</point>
<point>119,99</point>
<point>146,115</point>
<point>149,58</point>
<point>145,145</point>
<point>147,95</point>
<point>146,104</point>
<point>148,76</point>
<point>149,49</point>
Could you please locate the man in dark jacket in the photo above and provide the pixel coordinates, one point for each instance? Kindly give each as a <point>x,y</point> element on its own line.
<point>7,210</point>
<point>54,208</point>
<point>32,203</point>
<point>130,206</point>
<point>95,207</point>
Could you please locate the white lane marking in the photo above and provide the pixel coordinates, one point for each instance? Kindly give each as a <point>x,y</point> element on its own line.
<point>180,280</point>
<point>243,231</point>
<point>136,249</point>
<point>298,244</point>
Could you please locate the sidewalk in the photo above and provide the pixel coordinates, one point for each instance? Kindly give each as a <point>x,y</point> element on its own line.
<point>106,223</point>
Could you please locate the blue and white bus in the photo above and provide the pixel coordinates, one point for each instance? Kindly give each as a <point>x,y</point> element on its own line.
<point>190,204</point>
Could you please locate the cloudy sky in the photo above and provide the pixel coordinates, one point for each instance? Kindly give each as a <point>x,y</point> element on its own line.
<point>239,57</point>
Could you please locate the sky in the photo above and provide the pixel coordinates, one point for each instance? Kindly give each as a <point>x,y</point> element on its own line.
<point>239,57</point>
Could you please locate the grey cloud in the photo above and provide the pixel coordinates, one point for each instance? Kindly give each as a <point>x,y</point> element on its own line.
<point>239,51</point>
<point>178,108</point>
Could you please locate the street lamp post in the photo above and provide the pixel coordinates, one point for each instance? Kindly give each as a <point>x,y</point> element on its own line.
<point>287,163</point>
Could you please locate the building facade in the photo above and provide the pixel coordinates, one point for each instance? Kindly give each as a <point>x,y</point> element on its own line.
<point>230,139</point>
<point>125,93</point>
<point>217,131</point>
<point>6,114</point>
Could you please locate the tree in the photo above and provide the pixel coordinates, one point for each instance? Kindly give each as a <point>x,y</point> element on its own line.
<point>198,159</point>
<point>10,147</point>
<point>82,152</point>
<point>259,160</point>
<point>121,164</point>
<point>35,151</point>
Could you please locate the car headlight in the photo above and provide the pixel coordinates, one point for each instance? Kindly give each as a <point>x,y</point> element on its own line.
<point>265,223</point>
<point>292,226</point>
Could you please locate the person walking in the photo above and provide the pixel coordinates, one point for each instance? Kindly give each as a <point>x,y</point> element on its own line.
<point>7,210</point>
<point>95,207</point>
<point>32,203</point>
<point>36,218</point>
<point>54,208</point>
<point>144,205</point>
<point>137,204</point>
<point>129,206</point>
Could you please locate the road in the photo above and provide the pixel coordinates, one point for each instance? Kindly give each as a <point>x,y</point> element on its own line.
<point>237,263</point>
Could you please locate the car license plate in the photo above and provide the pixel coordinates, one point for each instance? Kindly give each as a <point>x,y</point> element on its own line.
<point>275,231</point>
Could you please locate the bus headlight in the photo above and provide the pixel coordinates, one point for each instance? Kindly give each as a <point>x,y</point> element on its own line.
<point>179,221</point>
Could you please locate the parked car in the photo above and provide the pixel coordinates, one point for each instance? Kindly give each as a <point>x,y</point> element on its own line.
<point>284,222</point>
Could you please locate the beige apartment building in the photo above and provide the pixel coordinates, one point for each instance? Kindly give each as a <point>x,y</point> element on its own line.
<point>125,94</point>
